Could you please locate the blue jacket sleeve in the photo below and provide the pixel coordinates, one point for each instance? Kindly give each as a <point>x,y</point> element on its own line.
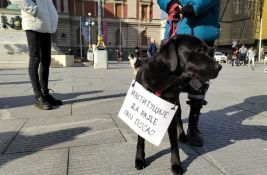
<point>201,6</point>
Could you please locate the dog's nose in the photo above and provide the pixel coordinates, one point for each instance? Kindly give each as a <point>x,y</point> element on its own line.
<point>219,67</point>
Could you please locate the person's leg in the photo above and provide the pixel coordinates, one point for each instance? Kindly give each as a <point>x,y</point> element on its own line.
<point>245,60</point>
<point>196,102</point>
<point>33,39</point>
<point>238,60</point>
<point>44,68</point>
<point>34,53</point>
<point>45,57</point>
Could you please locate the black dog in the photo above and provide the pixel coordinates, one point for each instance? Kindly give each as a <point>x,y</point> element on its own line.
<point>181,59</point>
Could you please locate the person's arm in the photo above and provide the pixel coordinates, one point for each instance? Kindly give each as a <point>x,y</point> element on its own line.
<point>28,6</point>
<point>197,7</point>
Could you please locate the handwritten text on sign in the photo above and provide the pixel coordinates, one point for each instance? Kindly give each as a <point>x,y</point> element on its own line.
<point>148,115</point>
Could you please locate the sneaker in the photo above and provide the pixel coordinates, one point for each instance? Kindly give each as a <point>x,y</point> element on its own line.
<point>41,103</point>
<point>53,101</point>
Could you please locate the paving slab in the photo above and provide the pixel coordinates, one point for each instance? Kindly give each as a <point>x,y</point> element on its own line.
<point>8,130</point>
<point>30,111</point>
<point>119,159</point>
<point>52,162</point>
<point>233,124</point>
<point>109,104</point>
<point>64,132</point>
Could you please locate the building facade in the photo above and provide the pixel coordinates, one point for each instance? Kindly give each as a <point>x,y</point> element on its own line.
<point>126,24</point>
<point>131,23</point>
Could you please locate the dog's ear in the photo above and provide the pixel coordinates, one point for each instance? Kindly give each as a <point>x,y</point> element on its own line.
<point>168,54</point>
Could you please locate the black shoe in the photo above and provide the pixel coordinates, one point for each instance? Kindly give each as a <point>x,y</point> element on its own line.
<point>41,103</point>
<point>51,99</point>
<point>194,137</point>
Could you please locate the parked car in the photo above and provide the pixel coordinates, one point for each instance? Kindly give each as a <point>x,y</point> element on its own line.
<point>220,57</point>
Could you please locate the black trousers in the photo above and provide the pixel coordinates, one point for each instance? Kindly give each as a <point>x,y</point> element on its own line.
<point>40,58</point>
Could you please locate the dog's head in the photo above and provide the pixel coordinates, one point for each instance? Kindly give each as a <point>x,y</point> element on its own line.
<point>189,56</point>
<point>182,59</point>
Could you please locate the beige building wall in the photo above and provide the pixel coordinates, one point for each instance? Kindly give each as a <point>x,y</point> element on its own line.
<point>132,8</point>
<point>156,10</point>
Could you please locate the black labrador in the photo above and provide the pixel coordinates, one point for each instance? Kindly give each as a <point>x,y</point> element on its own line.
<point>182,59</point>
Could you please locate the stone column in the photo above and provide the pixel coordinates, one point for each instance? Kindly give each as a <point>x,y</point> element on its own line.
<point>59,6</point>
<point>66,6</point>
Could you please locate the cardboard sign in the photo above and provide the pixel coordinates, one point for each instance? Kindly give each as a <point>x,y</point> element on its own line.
<point>147,114</point>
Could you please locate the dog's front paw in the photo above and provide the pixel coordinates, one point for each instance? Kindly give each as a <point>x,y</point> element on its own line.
<point>183,138</point>
<point>140,164</point>
<point>177,169</point>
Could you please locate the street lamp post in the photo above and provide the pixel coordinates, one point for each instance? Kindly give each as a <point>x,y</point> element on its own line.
<point>260,37</point>
<point>100,38</point>
<point>100,53</point>
<point>90,23</point>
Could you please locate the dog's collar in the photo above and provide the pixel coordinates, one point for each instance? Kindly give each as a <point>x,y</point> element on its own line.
<point>171,82</point>
<point>157,93</point>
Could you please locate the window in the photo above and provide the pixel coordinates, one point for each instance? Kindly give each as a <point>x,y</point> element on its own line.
<point>118,10</point>
<point>78,8</point>
<point>144,12</point>
<point>3,3</point>
<point>236,7</point>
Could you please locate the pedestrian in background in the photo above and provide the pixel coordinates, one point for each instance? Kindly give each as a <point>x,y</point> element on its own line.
<point>201,19</point>
<point>152,48</point>
<point>242,55</point>
<point>235,56</point>
<point>251,57</point>
<point>39,20</point>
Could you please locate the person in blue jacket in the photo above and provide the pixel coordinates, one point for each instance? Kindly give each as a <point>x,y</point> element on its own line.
<point>201,19</point>
<point>152,48</point>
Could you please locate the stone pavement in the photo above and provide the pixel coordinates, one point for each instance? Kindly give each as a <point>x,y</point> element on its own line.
<point>85,136</point>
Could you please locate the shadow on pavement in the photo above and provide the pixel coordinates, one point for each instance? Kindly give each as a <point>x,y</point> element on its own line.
<point>95,98</point>
<point>20,82</point>
<point>68,98</point>
<point>222,128</point>
<point>32,144</point>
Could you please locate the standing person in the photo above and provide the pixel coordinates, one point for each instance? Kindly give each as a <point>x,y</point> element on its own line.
<point>242,54</point>
<point>235,56</point>
<point>39,20</point>
<point>152,48</point>
<point>201,19</point>
<point>251,57</point>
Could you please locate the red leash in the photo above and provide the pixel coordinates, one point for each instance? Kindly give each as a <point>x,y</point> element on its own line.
<point>173,11</point>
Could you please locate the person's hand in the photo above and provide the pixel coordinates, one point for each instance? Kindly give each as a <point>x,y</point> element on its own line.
<point>187,11</point>
<point>174,10</point>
